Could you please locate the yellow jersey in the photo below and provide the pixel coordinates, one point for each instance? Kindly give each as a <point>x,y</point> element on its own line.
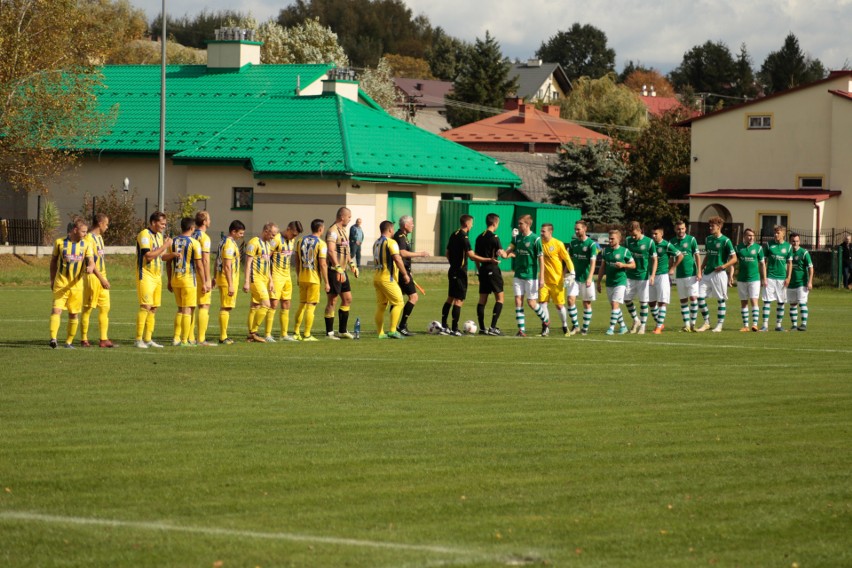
<point>96,244</point>
<point>282,256</point>
<point>384,250</point>
<point>148,240</point>
<point>555,257</point>
<point>188,250</point>
<point>258,259</point>
<point>72,260</point>
<point>310,250</point>
<point>228,250</point>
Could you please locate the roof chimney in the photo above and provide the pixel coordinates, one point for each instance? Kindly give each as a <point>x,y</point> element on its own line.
<point>533,62</point>
<point>233,48</point>
<point>341,81</point>
<point>512,103</point>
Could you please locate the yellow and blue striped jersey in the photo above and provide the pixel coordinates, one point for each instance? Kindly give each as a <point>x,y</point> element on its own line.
<point>384,250</point>
<point>228,250</point>
<point>311,249</point>
<point>282,256</point>
<point>258,259</point>
<point>71,264</point>
<point>96,244</point>
<point>188,250</point>
<point>148,240</point>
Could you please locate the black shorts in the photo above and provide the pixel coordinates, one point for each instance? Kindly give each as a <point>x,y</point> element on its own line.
<point>458,283</point>
<point>407,289</point>
<point>490,280</point>
<point>337,288</point>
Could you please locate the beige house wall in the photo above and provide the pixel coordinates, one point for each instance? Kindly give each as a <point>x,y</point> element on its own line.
<point>800,214</point>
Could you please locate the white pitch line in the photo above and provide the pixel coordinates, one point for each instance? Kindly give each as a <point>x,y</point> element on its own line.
<point>214,531</point>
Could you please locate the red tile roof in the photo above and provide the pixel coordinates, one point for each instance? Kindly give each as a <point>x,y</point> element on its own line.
<point>659,105</point>
<point>515,130</point>
<point>844,94</point>
<point>815,195</point>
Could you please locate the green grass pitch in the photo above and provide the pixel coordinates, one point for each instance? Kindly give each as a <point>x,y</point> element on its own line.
<point>728,449</point>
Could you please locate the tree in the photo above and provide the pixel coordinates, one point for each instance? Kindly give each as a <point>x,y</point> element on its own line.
<point>484,81</point>
<point>629,68</point>
<point>446,55</point>
<point>708,69</point>
<point>378,84</point>
<point>641,78</point>
<point>308,42</point>
<point>582,51</point>
<point>659,170</point>
<point>745,85</point>
<point>116,21</point>
<point>47,85</point>
<point>146,52</point>
<point>198,30</point>
<point>410,67</point>
<point>789,67</point>
<point>589,176</point>
<point>611,108</point>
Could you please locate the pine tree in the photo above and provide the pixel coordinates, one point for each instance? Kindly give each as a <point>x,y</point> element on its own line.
<point>589,176</point>
<point>789,67</point>
<point>484,81</point>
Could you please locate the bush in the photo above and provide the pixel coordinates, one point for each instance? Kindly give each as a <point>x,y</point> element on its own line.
<point>119,207</point>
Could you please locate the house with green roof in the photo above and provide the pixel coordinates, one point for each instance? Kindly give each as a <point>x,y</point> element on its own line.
<point>272,142</point>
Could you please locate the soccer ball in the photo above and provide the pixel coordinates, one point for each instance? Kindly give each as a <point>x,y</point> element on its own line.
<point>434,328</point>
<point>469,327</point>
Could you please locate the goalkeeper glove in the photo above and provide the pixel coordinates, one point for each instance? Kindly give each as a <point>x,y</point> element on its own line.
<point>569,279</point>
<point>354,268</point>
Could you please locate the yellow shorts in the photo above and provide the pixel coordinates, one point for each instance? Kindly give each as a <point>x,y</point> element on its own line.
<point>388,293</point>
<point>283,288</point>
<point>204,298</point>
<point>94,295</point>
<point>149,291</point>
<point>186,296</point>
<point>259,291</point>
<point>552,293</point>
<point>69,298</point>
<point>226,301</point>
<point>309,293</point>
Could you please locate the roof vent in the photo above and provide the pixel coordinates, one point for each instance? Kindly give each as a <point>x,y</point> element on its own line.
<point>233,48</point>
<point>341,81</point>
<point>533,62</point>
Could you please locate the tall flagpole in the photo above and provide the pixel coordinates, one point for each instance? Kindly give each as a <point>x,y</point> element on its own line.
<point>161,194</point>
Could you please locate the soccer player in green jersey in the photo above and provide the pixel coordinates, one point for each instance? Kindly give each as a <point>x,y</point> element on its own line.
<point>751,275</point>
<point>584,252</point>
<point>801,283</point>
<point>661,290</point>
<point>529,265</point>
<point>640,279</point>
<point>617,260</point>
<point>720,256</point>
<point>779,265</point>
<point>687,275</point>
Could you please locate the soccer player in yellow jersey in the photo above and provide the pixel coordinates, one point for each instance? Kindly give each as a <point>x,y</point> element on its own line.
<point>184,269</point>
<point>227,272</point>
<point>339,257</point>
<point>558,274</point>
<point>282,249</point>
<point>150,247</point>
<point>205,281</point>
<point>96,286</point>
<point>389,268</point>
<point>258,279</point>
<point>312,268</point>
<point>72,258</point>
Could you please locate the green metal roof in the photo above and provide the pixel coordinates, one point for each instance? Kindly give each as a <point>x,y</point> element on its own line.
<point>253,116</point>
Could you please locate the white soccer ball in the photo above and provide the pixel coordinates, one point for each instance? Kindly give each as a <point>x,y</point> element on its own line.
<point>434,328</point>
<point>469,327</point>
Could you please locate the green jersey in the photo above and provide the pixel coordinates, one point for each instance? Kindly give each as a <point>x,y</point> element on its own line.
<point>688,246</point>
<point>616,276</point>
<point>643,250</point>
<point>527,252</point>
<point>801,268</point>
<point>749,258</point>
<point>777,256</point>
<point>664,250</point>
<point>582,253</point>
<point>719,250</point>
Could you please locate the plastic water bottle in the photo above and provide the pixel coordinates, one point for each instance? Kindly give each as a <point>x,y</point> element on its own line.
<point>357,328</point>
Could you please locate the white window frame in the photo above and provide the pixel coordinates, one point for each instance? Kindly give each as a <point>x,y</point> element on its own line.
<point>759,121</point>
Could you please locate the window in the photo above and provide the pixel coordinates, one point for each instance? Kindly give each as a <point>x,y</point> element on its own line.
<point>759,121</point>
<point>810,182</point>
<point>243,198</point>
<point>768,222</point>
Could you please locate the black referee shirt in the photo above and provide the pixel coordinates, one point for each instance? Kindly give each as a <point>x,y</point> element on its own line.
<point>457,249</point>
<point>487,244</point>
<point>401,239</point>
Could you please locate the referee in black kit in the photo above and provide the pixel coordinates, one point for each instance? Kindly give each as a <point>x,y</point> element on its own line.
<point>406,226</point>
<point>490,277</point>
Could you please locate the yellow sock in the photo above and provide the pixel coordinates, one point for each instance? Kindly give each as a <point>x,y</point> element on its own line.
<point>186,327</point>
<point>285,321</point>
<point>224,318</point>
<point>103,323</point>
<point>192,324</point>
<point>260,318</point>
<point>72,329</point>
<point>309,318</point>
<point>380,318</point>
<point>141,319</point>
<point>300,313</point>
<point>396,313</point>
<point>270,319</point>
<point>202,315</point>
<point>84,323</point>
<point>251,315</point>
<point>150,322</point>
<point>178,326</point>
<point>54,325</point>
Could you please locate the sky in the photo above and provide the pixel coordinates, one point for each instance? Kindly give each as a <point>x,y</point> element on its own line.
<point>655,34</point>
